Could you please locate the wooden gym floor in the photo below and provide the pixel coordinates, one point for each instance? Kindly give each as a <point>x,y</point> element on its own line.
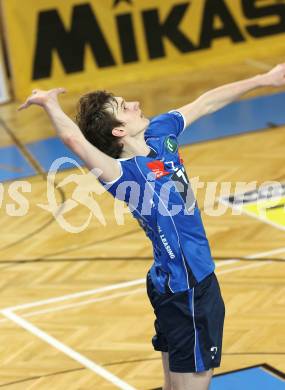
<point>110,324</point>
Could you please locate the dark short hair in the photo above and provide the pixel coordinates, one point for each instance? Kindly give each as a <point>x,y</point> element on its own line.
<point>97,123</point>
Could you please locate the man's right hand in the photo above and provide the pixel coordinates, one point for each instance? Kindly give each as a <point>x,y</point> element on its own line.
<point>41,98</point>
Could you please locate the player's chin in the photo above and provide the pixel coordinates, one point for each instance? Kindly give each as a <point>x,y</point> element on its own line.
<point>144,125</point>
<point>146,120</point>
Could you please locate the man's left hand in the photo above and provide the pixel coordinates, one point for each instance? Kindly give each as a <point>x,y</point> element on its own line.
<point>275,77</point>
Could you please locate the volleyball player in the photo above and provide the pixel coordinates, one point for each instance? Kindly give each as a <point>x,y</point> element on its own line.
<point>114,136</point>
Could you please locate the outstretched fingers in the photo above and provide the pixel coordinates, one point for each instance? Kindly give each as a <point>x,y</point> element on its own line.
<point>40,97</point>
<point>59,90</point>
<point>24,105</point>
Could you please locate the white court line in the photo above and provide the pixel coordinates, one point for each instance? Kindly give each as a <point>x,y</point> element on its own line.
<point>226,262</point>
<point>124,284</point>
<point>108,297</point>
<point>78,294</point>
<point>127,293</point>
<point>257,265</point>
<point>130,292</point>
<point>267,253</point>
<point>67,350</point>
<point>82,303</point>
<point>94,291</point>
<point>8,313</point>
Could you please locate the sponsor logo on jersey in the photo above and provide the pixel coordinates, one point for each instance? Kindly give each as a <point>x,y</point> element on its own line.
<point>165,243</point>
<point>167,246</point>
<point>171,144</point>
<point>158,168</point>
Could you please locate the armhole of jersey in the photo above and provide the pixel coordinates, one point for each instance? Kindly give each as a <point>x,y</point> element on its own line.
<point>110,183</point>
<point>184,119</point>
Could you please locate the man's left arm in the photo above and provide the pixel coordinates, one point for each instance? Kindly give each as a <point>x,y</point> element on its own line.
<point>217,98</point>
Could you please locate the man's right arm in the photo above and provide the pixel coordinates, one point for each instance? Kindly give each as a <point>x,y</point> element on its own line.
<point>72,136</point>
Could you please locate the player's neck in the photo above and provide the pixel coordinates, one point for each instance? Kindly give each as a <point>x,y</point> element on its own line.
<point>135,146</point>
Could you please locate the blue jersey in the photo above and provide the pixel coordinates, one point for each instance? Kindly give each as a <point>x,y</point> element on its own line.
<point>158,193</point>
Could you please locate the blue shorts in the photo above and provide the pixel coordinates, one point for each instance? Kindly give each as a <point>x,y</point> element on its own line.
<point>189,325</point>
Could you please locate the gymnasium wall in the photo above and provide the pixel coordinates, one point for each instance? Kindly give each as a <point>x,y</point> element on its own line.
<point>83,45</point>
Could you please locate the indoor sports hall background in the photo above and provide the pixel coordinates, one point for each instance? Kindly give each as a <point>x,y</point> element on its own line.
<point>74,312</point>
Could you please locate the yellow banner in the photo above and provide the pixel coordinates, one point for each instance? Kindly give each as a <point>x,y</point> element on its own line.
<point>81,44</point>
<point>270,211</point>
<point>266,203</point>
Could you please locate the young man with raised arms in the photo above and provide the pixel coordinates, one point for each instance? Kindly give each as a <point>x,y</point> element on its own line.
<point>114,136</point>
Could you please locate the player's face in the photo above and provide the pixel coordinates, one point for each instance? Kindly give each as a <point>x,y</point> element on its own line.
<point>131,115</point>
